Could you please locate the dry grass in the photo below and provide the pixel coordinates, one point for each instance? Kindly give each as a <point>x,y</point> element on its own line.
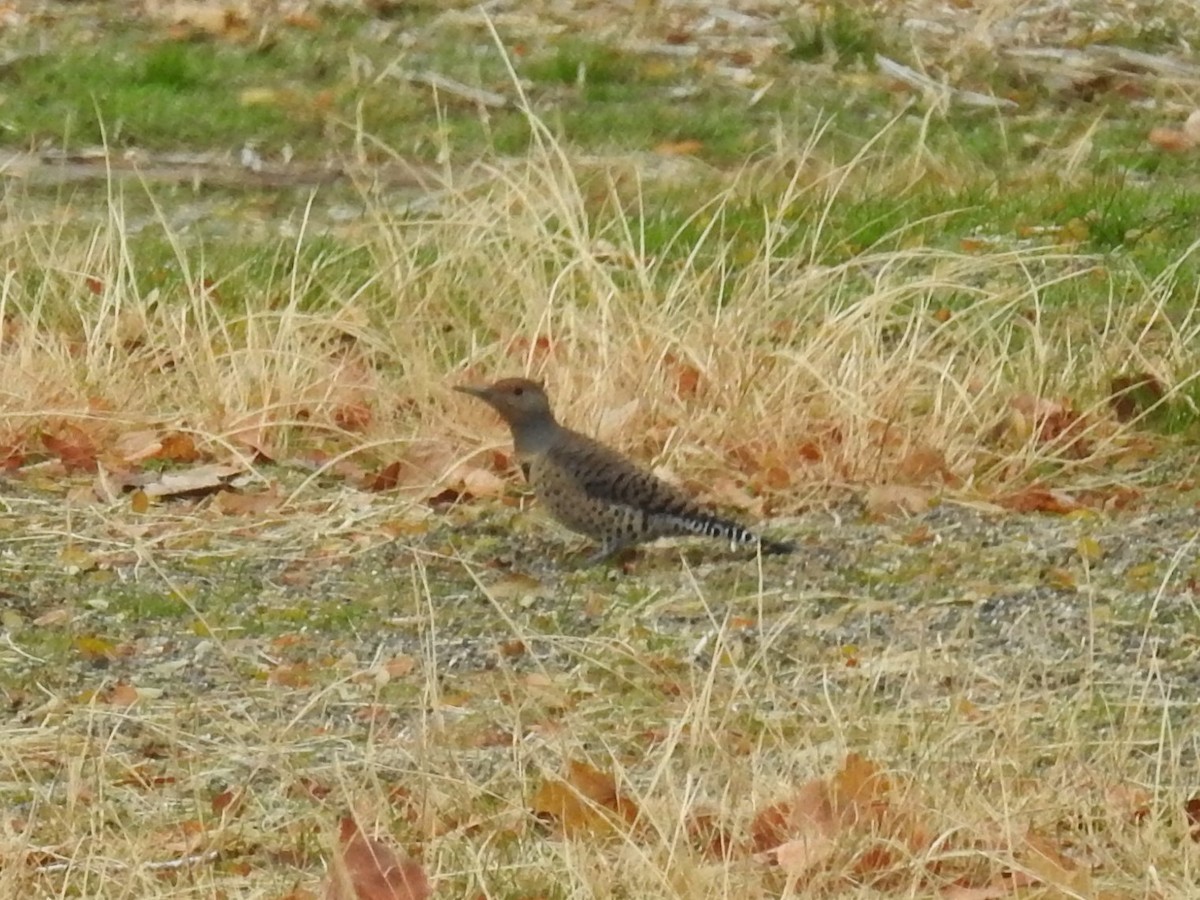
<point>107,800</point>
<point>717,359</point>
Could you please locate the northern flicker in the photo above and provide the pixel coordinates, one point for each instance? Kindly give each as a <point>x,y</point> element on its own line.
<point>594,490</point>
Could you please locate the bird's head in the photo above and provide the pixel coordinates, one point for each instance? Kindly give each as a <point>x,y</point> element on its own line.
<point>519,401</point>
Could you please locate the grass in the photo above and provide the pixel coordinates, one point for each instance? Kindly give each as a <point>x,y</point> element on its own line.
<point>838,294</point>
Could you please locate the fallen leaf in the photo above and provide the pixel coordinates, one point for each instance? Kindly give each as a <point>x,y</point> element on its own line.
<point>1132,395</point>
<point>1191,810</point>
<point>856,808</point>
<point>897,500</point>
<point>726,492</point>
<point>73,447</point>
<point>386,479</point>
<point>246,503</point>
<point>122,694</point>
<point>1039,499</point>
<point>197,481</point>
<point>365,868</point>
<point>294,675</point>
<point>922,463</point>
<point>57,616</point>
<point>587,801</point>
<point>479,483</point>
<point>179,447</point>
<point>707,834</point>
<point>353,417</point>
<point>301,19</point>
<point>136,446</point>
<point>228,803</point>
<point>1171,140</point>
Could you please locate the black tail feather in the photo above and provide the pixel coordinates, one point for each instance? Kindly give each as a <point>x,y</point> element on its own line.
<point>721,529</point>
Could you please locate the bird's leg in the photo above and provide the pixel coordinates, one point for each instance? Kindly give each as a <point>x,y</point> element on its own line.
<point>608,550</point>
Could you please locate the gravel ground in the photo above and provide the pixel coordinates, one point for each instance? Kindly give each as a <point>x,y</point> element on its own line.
<point>1067,592</point>
<point>1023,662</point>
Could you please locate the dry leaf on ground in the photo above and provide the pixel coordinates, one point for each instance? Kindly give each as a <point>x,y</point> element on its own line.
<point>365,868</point>
<point>588,801</point>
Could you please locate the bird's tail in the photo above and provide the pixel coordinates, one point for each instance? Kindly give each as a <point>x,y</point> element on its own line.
<point>706,525</point>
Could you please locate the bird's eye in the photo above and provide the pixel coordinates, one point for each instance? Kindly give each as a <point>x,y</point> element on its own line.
<point>517,392</point>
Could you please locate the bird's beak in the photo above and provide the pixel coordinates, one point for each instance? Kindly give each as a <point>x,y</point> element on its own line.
<point>473,390</point>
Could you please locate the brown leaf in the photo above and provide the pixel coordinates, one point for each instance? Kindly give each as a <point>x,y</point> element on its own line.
<point>727,492</point>
<point>804,832</point>
<point>73,447</point>
<point>365,868</point>
<point>355,417</point>
<point>807,814</point>
<point>475,482</point>
<point>238,503</point>
<point>897,500</point>
<point>302,19</point>
<point>1171,140</point>
<point>136,446</point>
<point>586,802</point>
<point>1191,809</point>
<point>386,478</point>
<point>122,694</point>
<point>11,457</point>
<point>179,447</point>
<point>229,803</point>
<point>706,833</point>
<point>1048,422</point>
<point>1039,499</point>
<point>1132,395</point>
<point>294,675</point>
<point>923,463</point>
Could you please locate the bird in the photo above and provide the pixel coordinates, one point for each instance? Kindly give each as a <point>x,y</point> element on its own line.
<point>593,489</point>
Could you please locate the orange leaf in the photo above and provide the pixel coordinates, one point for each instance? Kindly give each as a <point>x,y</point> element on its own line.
<point>295,675</point>
<point>179,447</point>
<point>73,447</point>
<point>352,416</point>
<point>1171,140</point>
<point>365,868</point>
<point>1037,499</point>
<point>808,812</point>
<point>122,694</point>
<point>228,803</point>
<point>587,802</point>
<point>386,479</point>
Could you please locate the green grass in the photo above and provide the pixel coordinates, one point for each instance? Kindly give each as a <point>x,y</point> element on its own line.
<point>841,32</point>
